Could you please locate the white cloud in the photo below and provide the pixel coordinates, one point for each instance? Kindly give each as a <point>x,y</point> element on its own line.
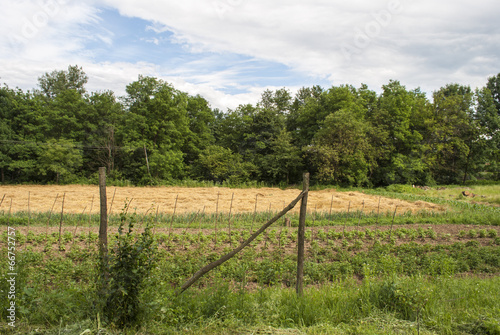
<point>425,43</point>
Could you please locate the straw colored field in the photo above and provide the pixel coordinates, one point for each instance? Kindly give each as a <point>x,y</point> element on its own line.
<point>78,198</point>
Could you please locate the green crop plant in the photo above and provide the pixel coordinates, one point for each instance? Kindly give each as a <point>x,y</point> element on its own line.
<point>483,233</point>
<point>322,235</point>
<point>360,234</point>
<point>67,237</point>
<point>472,233</point>
<point>401,233</point>
<point>357,245</point>
<point>492,233</point>
<point>370,234</point>
<point>431,233</point>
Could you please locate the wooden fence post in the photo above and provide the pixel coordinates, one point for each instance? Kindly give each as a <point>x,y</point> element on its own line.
<point>301,235</point>
<point>61,222</point>
<point>103,226</point>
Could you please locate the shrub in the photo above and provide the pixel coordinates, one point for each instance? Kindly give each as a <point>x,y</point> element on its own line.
<point>130,262</point>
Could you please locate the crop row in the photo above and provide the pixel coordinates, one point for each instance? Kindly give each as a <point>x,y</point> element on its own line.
<point>279,237</point>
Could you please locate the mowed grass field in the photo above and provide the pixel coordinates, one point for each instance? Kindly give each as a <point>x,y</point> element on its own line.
<point>78,199</point>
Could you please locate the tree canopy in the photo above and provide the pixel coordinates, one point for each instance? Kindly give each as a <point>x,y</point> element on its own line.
<point>61,133</point>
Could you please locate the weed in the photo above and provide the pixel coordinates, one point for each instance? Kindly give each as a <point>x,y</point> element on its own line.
<point>122,275</point>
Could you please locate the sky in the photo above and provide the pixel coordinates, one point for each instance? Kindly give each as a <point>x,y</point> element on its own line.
<point>230,51</point>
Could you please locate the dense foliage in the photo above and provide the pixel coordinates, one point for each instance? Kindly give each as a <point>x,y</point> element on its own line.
<point>156,134</point>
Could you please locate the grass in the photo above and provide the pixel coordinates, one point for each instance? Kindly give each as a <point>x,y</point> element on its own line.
<point>389,304</point>
<point>487,194</point>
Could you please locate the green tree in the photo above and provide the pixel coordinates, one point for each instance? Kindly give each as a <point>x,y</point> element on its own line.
<point>453,133</point>
<point>283,162</point>
<point>156,121</point>
<point>341,149</point>
<point>20,133</point>
<point>52,84</point>
<point>231,128</point>
<point>101,129</point>
<point>490,123</point>
<point>399,123</point>
<point>494,86</point>
<point>297,121</point>
<point>201,123</point>
<point>60,158</point>
<point>486,147</point>
<point>221,164</point>
<point>7,135</point>
<point>267,143</point>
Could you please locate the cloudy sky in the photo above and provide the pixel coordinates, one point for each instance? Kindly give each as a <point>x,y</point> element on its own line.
<point>230,51</point>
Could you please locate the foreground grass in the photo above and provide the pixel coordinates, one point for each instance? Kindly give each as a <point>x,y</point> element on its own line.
<point>390,305</point>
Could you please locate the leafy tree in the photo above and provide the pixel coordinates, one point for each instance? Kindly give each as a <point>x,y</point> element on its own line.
<point>341,149</point>
<point>294,121</point>
<point>278,101</point>
<point>65,116</point>
<point>268,143</point>
<point>60,158</point>
<point>490,123</point>
<point>54,83</point>
<point>19,133</point>
<point>486,146</point>
<point>102,132</point>
<point>231,129</point>
<point>7,135</point>
<point>201,122</point>
<point>221,164</point>
<point>453,133</point>
<point>494,86</point>
<point>398,121</point>
<point>157,119</point>
<point>283,162</point>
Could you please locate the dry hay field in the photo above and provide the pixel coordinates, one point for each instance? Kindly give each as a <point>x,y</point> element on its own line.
<point>80,198</point>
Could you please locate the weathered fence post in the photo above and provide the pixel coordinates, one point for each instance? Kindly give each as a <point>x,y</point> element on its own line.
<point>103,226</point>
<point>61,222</point>
<point>301,234</point>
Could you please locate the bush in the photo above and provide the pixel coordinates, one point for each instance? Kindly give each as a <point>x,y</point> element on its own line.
<point>130,262</point>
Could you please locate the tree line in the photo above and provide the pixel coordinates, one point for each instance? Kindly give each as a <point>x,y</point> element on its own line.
<point>60,133</point>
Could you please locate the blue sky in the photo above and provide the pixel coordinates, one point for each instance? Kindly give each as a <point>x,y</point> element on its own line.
<point>230,51</point>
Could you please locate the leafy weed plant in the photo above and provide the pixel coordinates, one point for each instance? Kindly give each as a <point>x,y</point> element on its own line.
<point>122,275</point>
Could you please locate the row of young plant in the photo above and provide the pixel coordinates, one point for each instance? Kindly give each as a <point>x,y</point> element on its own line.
<point>274,237</point>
